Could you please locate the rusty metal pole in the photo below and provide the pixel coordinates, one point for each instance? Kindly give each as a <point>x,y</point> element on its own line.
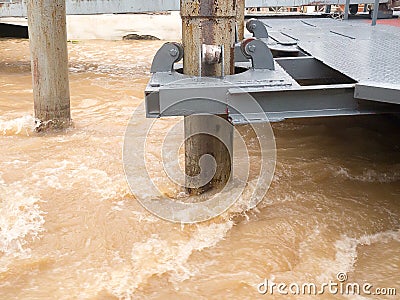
<point>209,22</point>
<point>49,61</point>
<point>240,18</point>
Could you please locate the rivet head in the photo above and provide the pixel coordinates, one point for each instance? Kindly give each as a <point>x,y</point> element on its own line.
<point>173,52</point>
<point>252,48</point>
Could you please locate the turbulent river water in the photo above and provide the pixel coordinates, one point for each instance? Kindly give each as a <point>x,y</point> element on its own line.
<point>71,229</point>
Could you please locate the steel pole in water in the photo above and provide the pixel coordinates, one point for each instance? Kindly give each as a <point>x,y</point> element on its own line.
<point>209,22</point>
<point>49,61</point>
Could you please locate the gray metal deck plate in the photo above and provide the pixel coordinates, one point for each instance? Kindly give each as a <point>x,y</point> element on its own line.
<point>369,55</point>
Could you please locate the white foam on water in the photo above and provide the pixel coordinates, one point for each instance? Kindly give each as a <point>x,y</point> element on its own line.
<point>20,126</point>
<point>65,174</point>
<point>369,175</point>
<point>146,217</point>
<point>98,180</point>
<point>346,252</point>
<point>157,256</point>
<point>21,221</point>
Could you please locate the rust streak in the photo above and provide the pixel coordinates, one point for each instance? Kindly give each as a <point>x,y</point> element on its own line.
<point>35,72</point>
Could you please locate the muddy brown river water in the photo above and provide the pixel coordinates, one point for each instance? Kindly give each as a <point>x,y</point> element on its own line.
<point>71,229</point>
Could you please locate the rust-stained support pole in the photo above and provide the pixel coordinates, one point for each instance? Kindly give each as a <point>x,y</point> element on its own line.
<point>49,61</point>
<point>209,22</point>
<point>240,18</point>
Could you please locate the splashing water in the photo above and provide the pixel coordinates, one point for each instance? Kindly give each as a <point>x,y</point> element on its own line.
<point>70,227</point>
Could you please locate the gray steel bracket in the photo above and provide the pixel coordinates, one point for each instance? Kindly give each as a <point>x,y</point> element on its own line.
<point>259,53</point>
<point>275,41</point>
<point>166,56</point>
<point>257,28</point>
<point>239,56</point>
